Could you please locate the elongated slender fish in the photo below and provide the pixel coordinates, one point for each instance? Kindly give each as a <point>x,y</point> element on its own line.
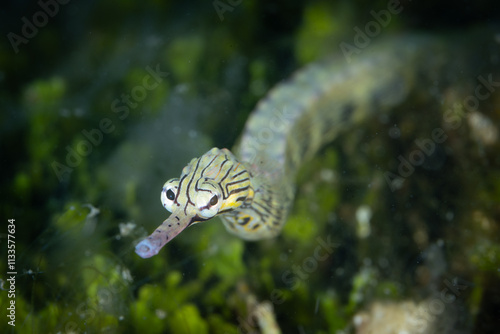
<point>254,193</point>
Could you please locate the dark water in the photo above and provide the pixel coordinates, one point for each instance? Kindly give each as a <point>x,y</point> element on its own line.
<point>395,224</point>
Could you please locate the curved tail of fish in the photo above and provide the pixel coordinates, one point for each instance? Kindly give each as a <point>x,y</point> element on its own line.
<point>253,195</point>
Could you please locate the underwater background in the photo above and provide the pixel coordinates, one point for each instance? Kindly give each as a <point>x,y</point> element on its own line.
<point>101,102</point>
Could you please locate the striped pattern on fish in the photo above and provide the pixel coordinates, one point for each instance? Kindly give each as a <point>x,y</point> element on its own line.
<point>253,194</point>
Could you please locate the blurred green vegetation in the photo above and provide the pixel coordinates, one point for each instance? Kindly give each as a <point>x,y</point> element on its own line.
<point>77,271</point>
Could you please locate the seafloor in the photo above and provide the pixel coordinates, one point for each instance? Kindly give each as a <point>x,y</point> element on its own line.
<point>102,102</point>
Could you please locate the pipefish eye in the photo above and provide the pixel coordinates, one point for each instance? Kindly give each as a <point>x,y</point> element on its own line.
<point>169,193</point>
<point>208,200</point>
<point>214,200</point>
<point>208,205</point>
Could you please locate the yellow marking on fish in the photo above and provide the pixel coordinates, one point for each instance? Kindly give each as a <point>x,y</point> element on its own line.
<point>254,195</point>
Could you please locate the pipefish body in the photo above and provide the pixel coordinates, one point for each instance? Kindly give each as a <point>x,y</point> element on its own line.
<point>253,190</point>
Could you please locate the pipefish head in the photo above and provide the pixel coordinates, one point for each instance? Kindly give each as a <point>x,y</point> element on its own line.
<point>211,185</point>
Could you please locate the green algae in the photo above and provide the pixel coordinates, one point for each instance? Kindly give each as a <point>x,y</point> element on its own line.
<point>362,285</point>
<point>143,314</point>
<point>166,306</point>
<point>321,25</point>
<point>331,308</point>
<point>184,55</point>
<point>147,93</point>
<point>83,283</point>
<point>486,256</point>
<point>300,228</point>
<point>187,320</point>
<point>226,262</point>
<point>218,324</point>
<point>317,197</point>
<point>72,217</point>
<point>41,98</point>
<point>387,290</point>
<point>22,185</point>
